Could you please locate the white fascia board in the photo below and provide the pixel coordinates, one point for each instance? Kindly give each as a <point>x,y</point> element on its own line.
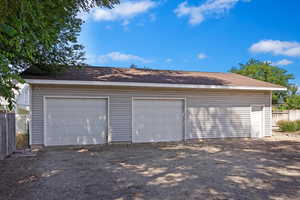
<point>157,85</point>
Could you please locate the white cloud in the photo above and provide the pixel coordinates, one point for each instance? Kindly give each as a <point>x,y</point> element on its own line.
<point>83,15</point>
<point>120,57</point>
<point>201,56</point>
<point>169,60</point>
<point>282,62</point>
<point>91,59</point>
<point>124,11</point>
<point>197,14</point>
<point>276,47</point>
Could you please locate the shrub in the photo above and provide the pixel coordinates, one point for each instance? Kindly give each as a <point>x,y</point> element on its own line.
<point>298,124</point>
<point>289,126</point>
<point>22,141</point>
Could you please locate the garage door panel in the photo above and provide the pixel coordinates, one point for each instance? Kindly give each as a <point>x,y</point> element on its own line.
<point>158,120</point>
<point>70,140</point>
<point>75,121</point>
<point>218,122</point>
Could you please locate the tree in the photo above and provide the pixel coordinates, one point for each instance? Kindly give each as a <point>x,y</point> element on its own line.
<point>293,89</point>
<point>39,34</point>
<point>291,102</point>
<point>264,71</point>
<point>133,66</point>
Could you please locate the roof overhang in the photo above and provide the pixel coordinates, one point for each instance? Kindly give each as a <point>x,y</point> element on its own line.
<point>156,85</point>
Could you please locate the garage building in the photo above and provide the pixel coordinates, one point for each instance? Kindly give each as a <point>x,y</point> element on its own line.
<point>102,105</point>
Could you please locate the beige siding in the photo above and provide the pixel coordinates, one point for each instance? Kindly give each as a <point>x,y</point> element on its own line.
<point>229,108</point>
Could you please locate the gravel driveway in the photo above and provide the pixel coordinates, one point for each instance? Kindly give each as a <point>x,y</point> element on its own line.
<point>214,169</point>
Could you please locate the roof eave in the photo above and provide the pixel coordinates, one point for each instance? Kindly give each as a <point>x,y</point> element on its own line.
<point>158,85</point>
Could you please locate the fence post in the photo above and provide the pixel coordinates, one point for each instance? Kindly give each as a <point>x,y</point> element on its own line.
<point>1,140</point>
<point>3,132</point>
<point>7,134</point>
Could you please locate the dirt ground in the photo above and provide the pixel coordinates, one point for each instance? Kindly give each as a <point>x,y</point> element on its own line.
<point>216,169</point>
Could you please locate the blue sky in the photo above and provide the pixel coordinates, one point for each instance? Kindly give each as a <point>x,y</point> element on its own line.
<point>195,35</point>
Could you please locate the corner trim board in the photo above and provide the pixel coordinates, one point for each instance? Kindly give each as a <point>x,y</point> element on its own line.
<point>30,115</point>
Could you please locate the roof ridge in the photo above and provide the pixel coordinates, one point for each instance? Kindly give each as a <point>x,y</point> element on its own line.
<point>117,74</point>
<point>150,69</point>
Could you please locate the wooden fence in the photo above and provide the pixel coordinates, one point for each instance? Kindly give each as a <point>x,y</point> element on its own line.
<point>7,134</point>
<point>288,115</point>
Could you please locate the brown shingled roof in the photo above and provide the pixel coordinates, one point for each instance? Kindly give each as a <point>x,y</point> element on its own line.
<point>153,76</point>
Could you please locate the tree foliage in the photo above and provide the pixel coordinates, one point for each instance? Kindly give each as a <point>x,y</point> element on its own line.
<point>40,34</point>
<point>293,89</point>
<point>264,71</point>
<point>292,102</point>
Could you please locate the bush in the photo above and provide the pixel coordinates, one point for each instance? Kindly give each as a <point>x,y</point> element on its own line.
<point>289,126</point>
<point>22,141</point>
<point>298,124</point>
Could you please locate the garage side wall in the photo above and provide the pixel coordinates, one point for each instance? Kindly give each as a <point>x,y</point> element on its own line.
<point>222,107</point>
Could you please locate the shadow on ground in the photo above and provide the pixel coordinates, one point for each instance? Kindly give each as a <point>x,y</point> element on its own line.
<point>214,169</point>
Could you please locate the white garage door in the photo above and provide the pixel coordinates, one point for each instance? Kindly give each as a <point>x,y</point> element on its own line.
<point>218,121</point>
<point>75,121</point>
<point>157,120</point>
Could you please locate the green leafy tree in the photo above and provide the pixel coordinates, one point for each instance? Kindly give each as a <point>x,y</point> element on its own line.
<point>292,102</point>
<point>293,89</point>
<point>133,66</point>
<point>41,35</point>
<point>264,71</point>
